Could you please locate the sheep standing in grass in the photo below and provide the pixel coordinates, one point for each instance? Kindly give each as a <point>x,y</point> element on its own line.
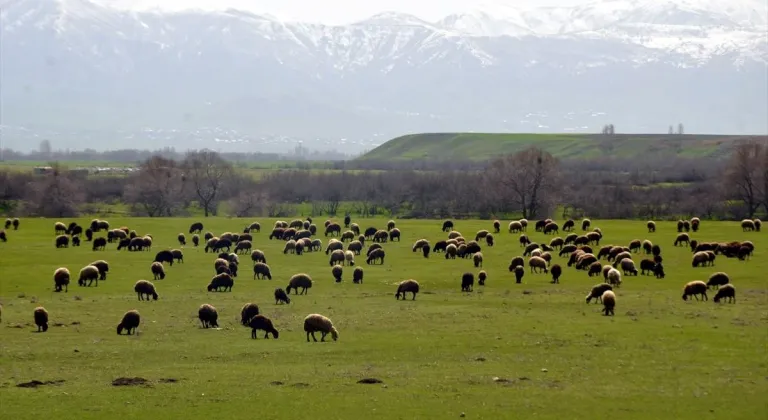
<point>62,241</point>
<point>208,316</point>
<point>609,302</point>
<point>694,288</point>
<point>718,279</point>
<point>88,274</point>
<point>281,296</point>
<point>248,311</point>
<point>477,258</point>
<point>41,319</point>
<point>597,292</point>
<point>758,224</point>
<point>628,266</point>
<point>260,322</point>
<point>556,271</point>
<point>129,323</point>
<point>337,271</point>
<point>61,279</point>
<point>467,282</point>
<point>318,323</point>
<point>613,277</point>
<point>482,276</point>
<point>515,227</point>
<point>195,240</point>
<point>519,271</point>
<point>158,271</point>
<point>257,256</point>
<point>747,225</point>
<point>406,286</point>
<point>651,226</point>
<point>357,275</point>
<point>447,226</point>
<point>182,239</point>
<point>538,264</point>
<point>221,282</point>
<point>145,288</point>
<point>585,224</point>
<point>301,280</point>
<point>261,270</point>
<point>337,257</point>
<point>700,259</point>
<point>496,226</point>
<point>164,256</point>
<point>333,245</point>
<point>3,236</point>
<point>489,240</point>
<point>349,257</point>
<point>376,255</point>
<point>726,292</point>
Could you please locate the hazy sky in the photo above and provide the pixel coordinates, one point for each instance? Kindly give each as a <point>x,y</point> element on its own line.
<point>339,11</point>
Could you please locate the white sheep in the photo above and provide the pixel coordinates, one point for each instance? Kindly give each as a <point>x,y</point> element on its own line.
<point>609,302</point>
<point>316,322</point>
<point>614,277</point>
<point>538,264</point>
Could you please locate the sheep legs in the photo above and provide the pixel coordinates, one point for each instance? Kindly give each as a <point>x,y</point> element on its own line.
<point>313,336</point>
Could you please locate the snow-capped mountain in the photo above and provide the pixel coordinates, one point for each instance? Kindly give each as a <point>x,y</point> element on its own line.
<point>646,63</point>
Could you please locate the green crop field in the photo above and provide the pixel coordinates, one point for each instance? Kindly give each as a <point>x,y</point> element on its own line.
<point>505,350</point>
<point>481,146</point>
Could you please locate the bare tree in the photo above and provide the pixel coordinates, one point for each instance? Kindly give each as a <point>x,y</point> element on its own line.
<point>54,194</point>
<point>671,130</point>
<point>207,174</point>
<point>746,175</point>
<point>524,181</point>
<point>157,189</point>
<point>680,130</point>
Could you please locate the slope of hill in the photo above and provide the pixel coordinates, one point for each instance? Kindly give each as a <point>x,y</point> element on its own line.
<point>480,146</point>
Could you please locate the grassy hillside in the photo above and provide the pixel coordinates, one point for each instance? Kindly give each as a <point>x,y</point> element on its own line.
<point>556,356</point>
<point>480,146</point>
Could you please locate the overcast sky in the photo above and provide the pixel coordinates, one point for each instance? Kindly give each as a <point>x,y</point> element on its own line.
<point>340,11</point>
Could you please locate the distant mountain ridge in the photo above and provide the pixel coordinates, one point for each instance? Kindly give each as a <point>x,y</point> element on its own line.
<point>72,64</point>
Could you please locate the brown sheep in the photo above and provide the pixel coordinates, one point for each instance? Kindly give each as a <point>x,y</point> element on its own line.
<point>208,316</point>
<point>377,254</point>
<point>221,282</point>
<point>585,224</point>
<point>568,225</point>
<point>718,279</point>
<point>477,258</point>
<point>418,245</point>
<point>519,273</point>
<point>609,302</point>
<point>337,271</point>
<point>61,279</point>
<point>538,264</point>
<point>727,291</point>
<point>62,241</point>
<point>515,262</point>
<point>337,257</point>
<point>248,311</point>
<point>651,226</point>
<point>694,288</point>
<point>318,323</point>
<point>394,234</point>
<point>406,286</point>
<point>556,271</point>
<point>489,240</point>
<point>700,259</point>
<point>515,227</point>
<point>281,296</point>
<point>758,224</point>
<point>260,322</point>
<point>258,256</point>
<point>496,226</point>
<point>41,319</point>
<point>595,269</point>
<point>157,270</point>
<point>129,323</point>
<point>145,288</point>
<point>89,274</point>
<point>357,274</point>
<point>597,292</point>
<point>482,276</point>
<point>301,280</point>
<point>243,247</point>
<point>634,246</point>
<point>58,228</point>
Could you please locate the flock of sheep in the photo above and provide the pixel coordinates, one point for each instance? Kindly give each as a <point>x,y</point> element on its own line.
<point>298,238</point>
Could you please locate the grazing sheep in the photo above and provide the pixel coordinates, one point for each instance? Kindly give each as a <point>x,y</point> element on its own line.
<point>748,225</point>
<point>440,246</point>
<point>315,245</point>
<point>277,233</point>
<point>337,257</point>
<point>568,225</point>
<point>700,258</point>
<point>530,248</point>
<point>261,270</point>
<point>647,266</point>
<point>425,250</point>
<point>333,228</point>
<point>390,225</point>
<point>244,246</point>
<point>536,252</point>
<point>103,268</point>
<point>157,270</point>
<point>538,264</point>
<point>597,292</point>
<point>477,258</point>
<point>255,226</point>
<point>461,251</point>
<point>347,220</point>
<point>58,228</point>
<point>376,254</point>
<point>208,316</point>
<point>622,256</point>
<point>165,256</point>
<point>496,226</point>
<point>450,251</point>
<point>647,246</point>
<point>489,240</point>
<point>281,296</point>
<point>347,236</point>
<point>515,227</point>
<point>628,266</point>
<point>606,269</point>
<point>695,224</point>
<point>727,291</point>
<point>221,282</point>
<point>634,246</point>
<point>525,241</point>
<point>681,239</point>
<point>394,234</point>
<point>349,257</point>
<point>89,274</point>
<point>196,227</point>
<point>75,241</point>
<point>333,245</point>
<point>515,262</point>
<point>585,224</point>
<point>524,223</point>
<point>481,234</point>
<point>129,323</point>
<point>336,271</point>
<point>694,288</point>
<point>290,246</point>
<point>609,302</point>
<point>406,286</point>
<point>260,322</point>
<point>41,319</point>
<point>357,275</point>
<point>447,226</point>
<point>301,280</point>
<point>584,260</point>
<point>15,223</point>
<point>481,277</point>
<point>257,256</point>
<point>567,250</point>
<point>318,323</point>
<point>248,311</point>
<point>551,228</point>
<point>61,279</point>
<point>354,227</point>
<point>595,269</point>
<point>381,236</point>
<point>614,277</point>
<point>145,288</point>
<point>556,271</point>
<point>540,225</point>
<point>519,273</point>
<point>372,248</point>
<point>718,279</point>
<point>3,236</point>
<point>658,271</point>
<point>758,224</point>
<point>99,244</point>
<point>419,244</point>
<point>467,282</point>
<point>62,241</point>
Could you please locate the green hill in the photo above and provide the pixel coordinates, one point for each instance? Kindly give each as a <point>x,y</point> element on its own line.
<point>481,146</point>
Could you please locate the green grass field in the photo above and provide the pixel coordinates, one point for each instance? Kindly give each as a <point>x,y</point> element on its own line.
<point>481,146</point>
<point>658,358</point>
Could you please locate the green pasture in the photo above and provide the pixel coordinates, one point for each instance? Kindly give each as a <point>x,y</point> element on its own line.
<point>553,355</point>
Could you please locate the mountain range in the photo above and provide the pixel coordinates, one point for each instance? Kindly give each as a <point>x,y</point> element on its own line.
<point>73,66</point>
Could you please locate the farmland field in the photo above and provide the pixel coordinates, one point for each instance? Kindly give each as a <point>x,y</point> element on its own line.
<point>557,357</point>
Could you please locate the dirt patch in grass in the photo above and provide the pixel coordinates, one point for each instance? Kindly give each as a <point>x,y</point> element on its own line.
<point>130,381</point>
<point>35,383</point>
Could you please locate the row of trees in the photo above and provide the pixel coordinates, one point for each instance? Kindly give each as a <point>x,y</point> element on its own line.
<point>530,184</point>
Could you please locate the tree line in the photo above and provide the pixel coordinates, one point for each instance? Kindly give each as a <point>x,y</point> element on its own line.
<point>530,184</point>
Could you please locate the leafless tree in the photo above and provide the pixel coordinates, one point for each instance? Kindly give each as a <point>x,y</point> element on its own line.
<point>526,181</point>
<point>207,174</point>
<point>54,195</point>
<point>157,189</point>
<point>680,129</point>
<point>746,175</point>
